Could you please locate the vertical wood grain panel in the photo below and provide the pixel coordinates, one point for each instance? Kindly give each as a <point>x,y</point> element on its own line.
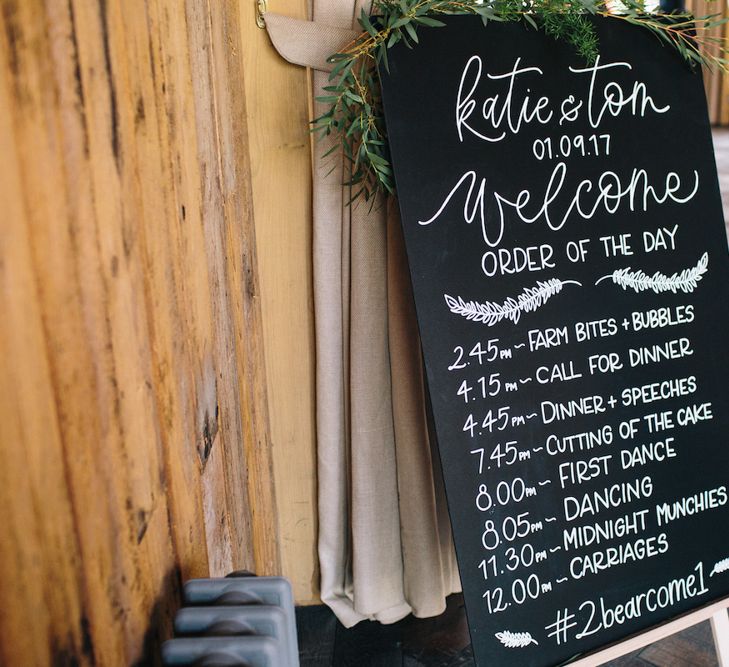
<point>715,81</point>
<point>133,416</point>
<point>30,436</point>
<point>277,96</point>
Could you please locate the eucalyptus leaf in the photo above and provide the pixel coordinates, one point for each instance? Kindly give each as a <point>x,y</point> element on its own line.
<point>412,32</point>
<point>431,23</point>
<point>530,20</point>
<point>364,21</point>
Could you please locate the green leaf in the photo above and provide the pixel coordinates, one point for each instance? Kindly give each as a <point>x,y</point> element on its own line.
<point>376,159</point>
<point>383,55</point>
<point>432,23</point>
<point>530,20</point>
<point>353,96</point>
<point>364,21</point>
<point>332,150</point>
<point>340,69</point>
<point>411,31</point>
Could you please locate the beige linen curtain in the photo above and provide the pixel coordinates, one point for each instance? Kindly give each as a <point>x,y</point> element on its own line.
<point>385,546</point>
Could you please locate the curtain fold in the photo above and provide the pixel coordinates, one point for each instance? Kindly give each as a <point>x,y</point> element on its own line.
<point>424,515</point>
<point>385,546</point>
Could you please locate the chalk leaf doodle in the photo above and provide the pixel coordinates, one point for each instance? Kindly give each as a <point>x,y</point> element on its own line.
<point>685,281</point>
<point>721,566</point>
<point>516,639</point>
<point>490,312</point>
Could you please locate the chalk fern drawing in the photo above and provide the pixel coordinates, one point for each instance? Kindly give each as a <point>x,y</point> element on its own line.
<point>685,281</point>
<point>490,312</point>
<point>515,639</point>
<point>721,566</point>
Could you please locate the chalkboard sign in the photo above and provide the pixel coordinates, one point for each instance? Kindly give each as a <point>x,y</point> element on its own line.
<point>566,243</point>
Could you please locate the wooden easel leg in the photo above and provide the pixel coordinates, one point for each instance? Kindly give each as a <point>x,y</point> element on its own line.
<point>720,628</point>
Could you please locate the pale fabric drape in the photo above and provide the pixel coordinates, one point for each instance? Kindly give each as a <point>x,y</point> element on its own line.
<point>385,546</point>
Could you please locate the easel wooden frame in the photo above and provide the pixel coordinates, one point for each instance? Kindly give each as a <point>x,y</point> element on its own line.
<point>716,613</point>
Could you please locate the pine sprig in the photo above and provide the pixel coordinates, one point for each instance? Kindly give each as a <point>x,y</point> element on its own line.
<point>353,101</point>
<point>491,312</point>
<point>573,28</point>
<point>684,281</point>
<point>516,639</point>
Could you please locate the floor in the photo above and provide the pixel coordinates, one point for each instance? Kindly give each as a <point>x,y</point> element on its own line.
<point>443,641</point>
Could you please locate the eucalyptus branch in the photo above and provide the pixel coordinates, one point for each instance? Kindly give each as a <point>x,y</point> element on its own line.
<point>353,100</point>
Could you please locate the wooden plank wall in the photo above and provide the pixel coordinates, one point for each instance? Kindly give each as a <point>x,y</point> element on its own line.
<point>279,140</point>
<point>133,415</point>
<point>716,82</point>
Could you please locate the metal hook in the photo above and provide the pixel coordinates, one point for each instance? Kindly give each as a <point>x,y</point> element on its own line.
<point>260,13</point>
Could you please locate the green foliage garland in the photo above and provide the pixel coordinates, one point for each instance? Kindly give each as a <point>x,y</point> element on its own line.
<point>354,112</point>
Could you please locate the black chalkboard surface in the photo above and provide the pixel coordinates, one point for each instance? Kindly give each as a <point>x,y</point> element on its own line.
<point>567,249</point>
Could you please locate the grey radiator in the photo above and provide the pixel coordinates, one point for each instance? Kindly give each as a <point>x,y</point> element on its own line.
<point>246,621</point>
